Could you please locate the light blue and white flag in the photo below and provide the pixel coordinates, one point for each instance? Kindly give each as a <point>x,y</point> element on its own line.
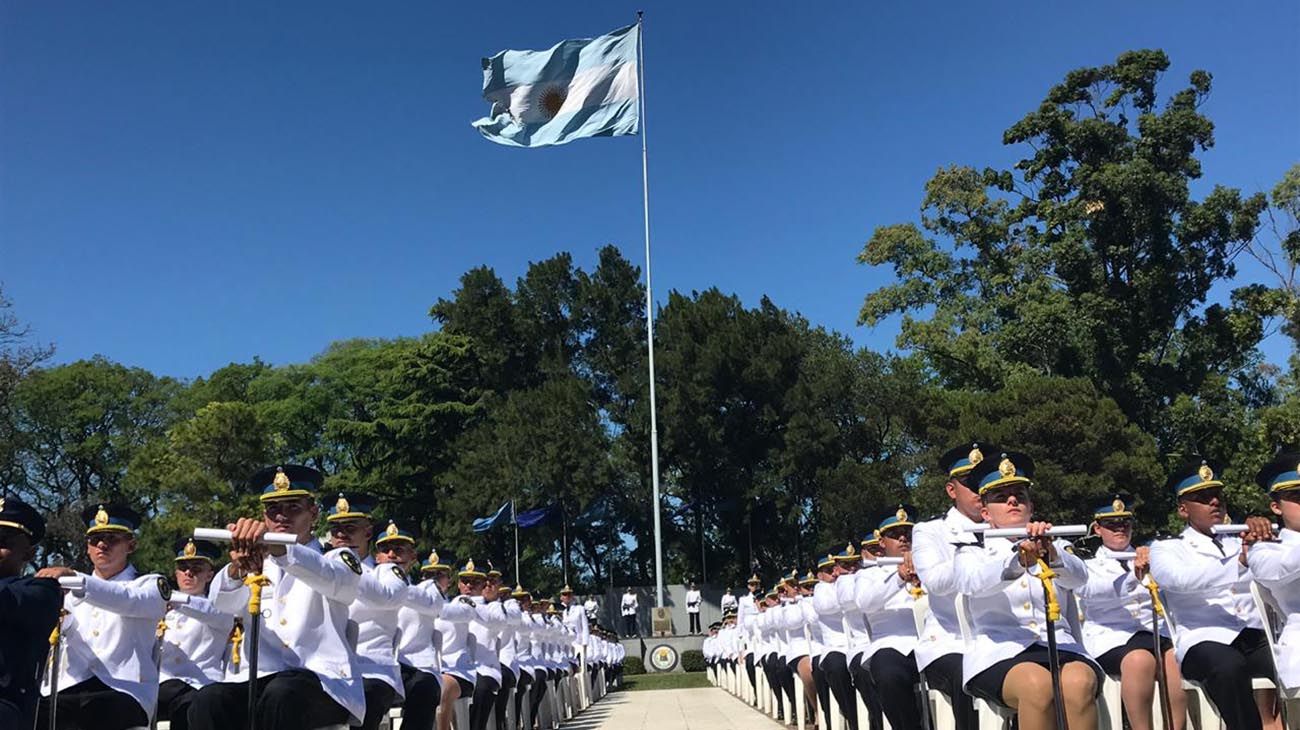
<point>579,88</point>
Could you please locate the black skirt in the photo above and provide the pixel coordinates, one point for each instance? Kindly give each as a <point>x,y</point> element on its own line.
<point>987,685</point>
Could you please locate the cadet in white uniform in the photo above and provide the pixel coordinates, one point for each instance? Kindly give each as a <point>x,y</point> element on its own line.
<point>831,669</point>
<point>1276,565</point>
<point>108,677</point>
<point>1008,662</point>
<point>524,641</point>
<point>419,644</point>
<point>729,602</point>
<point>484,634</point>
<point>886,596</point>
<point>628,607</point>
<point>381,592</point>
<point>1117,619</point>
<point>1206,581</point>
<point>576,619</point>
<point>507,651</point>
<point>693,600</point>
<point>194,642</point>
<point>458,662</point>
<point>306,675</point>
<point>746,608</point>
<point>934,551</point>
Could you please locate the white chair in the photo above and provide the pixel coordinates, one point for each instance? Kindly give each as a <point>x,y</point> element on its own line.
<point>942,715</point>
<point>460,713</point>
<point>1274,620</point>
<point>991,716</point>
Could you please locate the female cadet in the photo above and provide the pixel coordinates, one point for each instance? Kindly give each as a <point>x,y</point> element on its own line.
<point>1007,662</point>
<point>194,641</point>
<point>419,644</point>
<point>457,653</point>
<point>1117,619</point>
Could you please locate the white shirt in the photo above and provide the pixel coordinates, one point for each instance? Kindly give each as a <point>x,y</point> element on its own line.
<point>1115,604</point>
<point>592,608</point>
<point>485,634</point>
<point>381,593</point>
<point>576,619</point>
<point>1207,592</point>
<point>692,601</point>
<point>934,551</point>
<point>305,618</point>
<point>728,602</point>
<point>1276,565</point>
<point>884,599</point>
<point>830,617</point>
<point>855,622</point>
<point>110,632</point>
<point>629,604</point>
<point>194,645</point>
<point>452,626</point>
<point>419,645</point>
<point>508,651</point>
<point>1007,605</point>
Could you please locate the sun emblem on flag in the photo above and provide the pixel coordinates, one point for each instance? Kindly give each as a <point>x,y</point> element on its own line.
<point>552,99</point>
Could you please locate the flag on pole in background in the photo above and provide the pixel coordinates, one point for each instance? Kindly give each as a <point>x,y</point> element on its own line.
<point>503,516</point>
<point>535,517</point>
<point>575,89</point>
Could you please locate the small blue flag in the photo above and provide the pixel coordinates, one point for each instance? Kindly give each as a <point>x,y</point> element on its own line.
<point>535,517</point>
<point>575,89</point>
<point>483,524</point>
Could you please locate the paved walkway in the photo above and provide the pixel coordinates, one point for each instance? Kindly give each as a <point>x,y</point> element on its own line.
<point>704,708</point>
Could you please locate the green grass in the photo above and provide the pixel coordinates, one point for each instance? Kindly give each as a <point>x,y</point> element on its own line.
<point>666,680</point>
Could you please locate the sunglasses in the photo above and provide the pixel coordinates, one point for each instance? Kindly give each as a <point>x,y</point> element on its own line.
<point>109,539</point>
<point>1003,496</point>
<point>287,508</point>
<point>897,533</point>
<point>1116,523</point>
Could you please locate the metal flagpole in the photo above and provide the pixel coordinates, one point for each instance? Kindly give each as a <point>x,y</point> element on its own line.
<point>515,519</point>
<point>649,320</point>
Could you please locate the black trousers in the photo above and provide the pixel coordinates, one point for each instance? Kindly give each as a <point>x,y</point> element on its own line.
<point>423,693</point>
<point>695,622</point>
<point>174,697</point>
<point>782,680</point>
<point>895,678</point>
<point>1225,671</point>
<point>537,694</point>
<point>483,701</point>
<point>288,700</point>
<point>503,696</point>
<point>93,705</point>
<point>769,666</point>
<point>523,688</point>
<point>379,700</point>
<point>629,625</point>
<point>749,669</point>
<point>944,674</point>
<point>866,688</point>
<point>835,672</point>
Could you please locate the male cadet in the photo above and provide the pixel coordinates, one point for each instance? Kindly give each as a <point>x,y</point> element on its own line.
<point>194,640</point>
<point>728,601</point>
<point>628,607</point>
<point>886,597</point>
<point>592,608</point>
<point>693,608</point>
<point>576,619</point>
<point>380,593</point>
<point>417,641</point>
<point>1206,578</point>
<point>108,678</point>
<point>306,677</point>
<point>1276,565</point>
<point>746,609</point>
<point>831,669</point>
<point>30,607</point>
<point>934,551</point>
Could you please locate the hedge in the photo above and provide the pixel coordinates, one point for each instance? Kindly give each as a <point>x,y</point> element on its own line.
<point>693,661</point>
<point>633,665</point>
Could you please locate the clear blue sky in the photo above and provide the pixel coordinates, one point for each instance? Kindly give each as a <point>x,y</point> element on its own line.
<point>184,185</point>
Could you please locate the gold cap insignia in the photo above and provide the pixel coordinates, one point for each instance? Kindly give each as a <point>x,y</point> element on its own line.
<point>566,589</point>
<point>392,530</point>
<point>101,517</point>
<point>2,504</point>
<point>433,558</point>
<point>901,514</point>
<point>849,550</point>
<point>342,506</point>
<point>876,533</point>
<point>1006,467</point>
<point>190,551</point>
<point>1205,472</point>
<point>1117,505</point>
<point>469,566</point>
<point>281,481</point>
<point>754,578</point>
<point>975,456</point>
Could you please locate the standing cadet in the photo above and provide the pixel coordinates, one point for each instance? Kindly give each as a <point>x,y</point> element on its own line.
<point>194,641</point>
<point>30,607</point>
<point>693,608</point>
<point>1276,565</point>
<point>419,643</point>
<point>380,593</point>
<point>934,549</point>
<point>1009,661</point>
<point>628,607</point>
<point>306,677</point>
<point>729,601</point>
<point>109,677</point>
<point>1206,578</point>
<point>1117,626</point>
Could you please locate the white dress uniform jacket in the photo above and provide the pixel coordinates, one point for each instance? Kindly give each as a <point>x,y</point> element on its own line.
<point>1007,605</point>
<point>508,651</point>
<point>830,617</point>
<point>728,601</point>
<point>746,612</point>
<point>305,618</point>
<point>419,645</point>
<point>452,626</point>
<point>855,622</point>
<point>692,601</point>
<point>1276,565</point>
<point>1207,592</point>
<point>884,599</point>
<point>576,619</point>
<point>110,632</point>
<point>381,593</point>
<point>485,637</point>
<point>934,551</point>
<point>194,645</point>
<point>628,604</point>
<point>1115,604</point>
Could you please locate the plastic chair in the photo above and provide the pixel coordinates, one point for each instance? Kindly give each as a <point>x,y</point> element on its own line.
<point>991,716</point>
<point>1274,620</point>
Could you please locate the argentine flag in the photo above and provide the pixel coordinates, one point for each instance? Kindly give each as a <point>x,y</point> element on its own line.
<point>575,89</point>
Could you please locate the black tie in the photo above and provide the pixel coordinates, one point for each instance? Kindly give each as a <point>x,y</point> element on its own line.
<point>1218,545</point>
<point>1124,564</point>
